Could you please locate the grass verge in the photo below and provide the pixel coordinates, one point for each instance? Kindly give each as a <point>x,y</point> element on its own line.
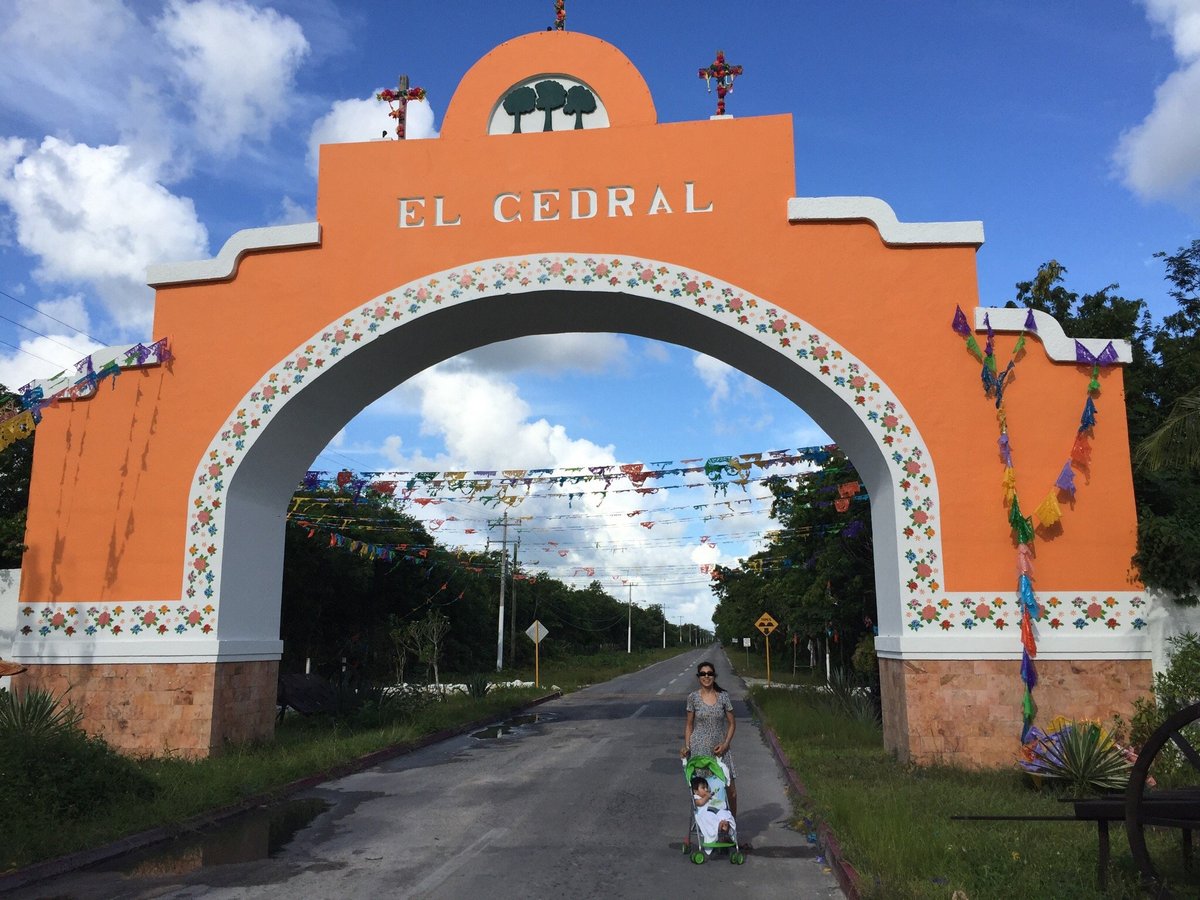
<point>893,821</point>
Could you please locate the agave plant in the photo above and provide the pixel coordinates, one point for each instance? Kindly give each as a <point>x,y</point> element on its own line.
<point>1080,755</point>
<point>37,713</point>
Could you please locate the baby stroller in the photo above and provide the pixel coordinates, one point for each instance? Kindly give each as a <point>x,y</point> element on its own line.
<point>717,776</point>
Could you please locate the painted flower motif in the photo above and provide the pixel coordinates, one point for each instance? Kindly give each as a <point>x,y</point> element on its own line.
<point>149,617</point>
<point>912,467</point>
<point>924,570</point>
<point>929,612</point>
<point>104,619</point>
<point>194,618</point>
<point>779,326</point>
<point>1095,611</point>
<point>983,611</point>
<point>858,382</point>
<point>820,352</point>
<point>919,516</point>
<point>647,275</point>
<point>58,620</point>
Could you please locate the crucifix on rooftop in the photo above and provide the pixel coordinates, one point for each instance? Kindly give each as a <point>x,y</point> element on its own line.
<point>560,15</point>
<point>723,74</point>
<point>398,101</point>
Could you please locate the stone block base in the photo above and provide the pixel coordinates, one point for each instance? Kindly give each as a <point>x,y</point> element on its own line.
<point>186,709</point>
<point>967,712</point>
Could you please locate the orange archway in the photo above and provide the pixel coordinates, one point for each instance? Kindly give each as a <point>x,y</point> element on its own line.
<point>152,577</point>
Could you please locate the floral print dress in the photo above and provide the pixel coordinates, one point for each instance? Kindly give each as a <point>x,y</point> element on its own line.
<point>708,726</point>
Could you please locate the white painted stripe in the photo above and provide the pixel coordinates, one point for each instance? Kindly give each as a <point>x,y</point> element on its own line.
<point>444,871</point>
<point>641,709</point>
<point>661,691</point>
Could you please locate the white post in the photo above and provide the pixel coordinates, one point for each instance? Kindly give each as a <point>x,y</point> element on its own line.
<point>503,574</point>
<point>664,628</point>
<point>629,627</point>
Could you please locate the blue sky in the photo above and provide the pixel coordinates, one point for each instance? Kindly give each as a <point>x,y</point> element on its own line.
<point>141,132</point>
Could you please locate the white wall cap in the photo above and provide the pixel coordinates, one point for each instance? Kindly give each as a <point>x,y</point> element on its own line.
<point>1059,347</point>
<point>72,651</point>
<point>224,264</point>
<point>891,230</point>
<point>1051,645</point>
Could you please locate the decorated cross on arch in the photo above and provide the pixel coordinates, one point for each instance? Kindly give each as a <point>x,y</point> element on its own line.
<point>398,101</point>
<point>723,74</point>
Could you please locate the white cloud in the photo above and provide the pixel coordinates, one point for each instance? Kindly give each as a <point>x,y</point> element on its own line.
<point>96,216</point>
<point>352,121</point>
<point>292,213</point>
<point>715,375</point>
<point>237,64</point>
<point>42,357</point>
<point>70,61</point>
<point>1159,158</point>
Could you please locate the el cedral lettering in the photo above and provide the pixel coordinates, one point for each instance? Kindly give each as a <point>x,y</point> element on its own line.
<point>554,205</point>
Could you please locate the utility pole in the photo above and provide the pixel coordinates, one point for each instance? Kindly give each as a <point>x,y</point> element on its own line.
<point>503,575</point>
<point>664,612</point>
<point>629,631</point>
<point>512,615</point>
<point>679,630</point>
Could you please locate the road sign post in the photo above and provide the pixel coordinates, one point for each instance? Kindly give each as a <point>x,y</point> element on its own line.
<point>536,632</point>
<point>766,624</point>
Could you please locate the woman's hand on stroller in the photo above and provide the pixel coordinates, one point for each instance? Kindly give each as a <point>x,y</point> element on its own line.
<point>719,750</point>
<point>685,751</point>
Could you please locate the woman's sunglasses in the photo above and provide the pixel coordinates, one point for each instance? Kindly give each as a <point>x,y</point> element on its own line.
<point>706,674</point>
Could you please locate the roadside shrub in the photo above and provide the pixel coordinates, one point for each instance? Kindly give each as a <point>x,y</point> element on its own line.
<point>478,685</point>
<point>37,713</point>
<point>377,708</point>
<point>1175,688</point>
<point>1080,756</point>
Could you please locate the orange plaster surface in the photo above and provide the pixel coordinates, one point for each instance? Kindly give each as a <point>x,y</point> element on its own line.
<point>111,474</point>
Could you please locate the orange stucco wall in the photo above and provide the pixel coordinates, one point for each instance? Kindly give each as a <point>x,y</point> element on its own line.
<point>111,474</point>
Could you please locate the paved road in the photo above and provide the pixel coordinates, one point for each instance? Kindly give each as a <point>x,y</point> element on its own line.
<point>587,802</point>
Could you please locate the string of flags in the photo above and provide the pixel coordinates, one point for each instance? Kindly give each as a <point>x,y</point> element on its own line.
<point>18,420</point>
<point>1049,511</point>
<point>509,487</point>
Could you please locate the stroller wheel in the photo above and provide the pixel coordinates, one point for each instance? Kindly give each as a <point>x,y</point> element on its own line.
<point>698,857</point>
<point>687,848</point>
<point>737,857</point>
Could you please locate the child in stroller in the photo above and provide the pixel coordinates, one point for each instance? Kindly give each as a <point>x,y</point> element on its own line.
<point>710,824</point>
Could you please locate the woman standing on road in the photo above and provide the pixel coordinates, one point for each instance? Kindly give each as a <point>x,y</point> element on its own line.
<point>710,725</point>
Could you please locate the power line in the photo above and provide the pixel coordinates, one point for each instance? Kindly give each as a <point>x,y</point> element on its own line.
<point>48,316</point>
<point>39,334</point>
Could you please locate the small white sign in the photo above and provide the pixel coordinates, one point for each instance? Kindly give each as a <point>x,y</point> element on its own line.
<point>745,642</point>
<point>536,631</point>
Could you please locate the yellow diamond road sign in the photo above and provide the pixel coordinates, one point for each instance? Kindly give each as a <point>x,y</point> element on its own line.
<point>766,624</point>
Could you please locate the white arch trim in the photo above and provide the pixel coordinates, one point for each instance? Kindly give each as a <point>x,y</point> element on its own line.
<point>224,264</point>
<point>883,217</point>
<point>1059,347</point>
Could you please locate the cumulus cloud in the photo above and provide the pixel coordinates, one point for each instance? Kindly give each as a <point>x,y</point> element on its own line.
<point>350,121</point>
<point>716,377</point>
<point>97,216</point>
<point>49,48</point>
<point>237,65</point>
<point>475,413</point>
<point>1159,158</point>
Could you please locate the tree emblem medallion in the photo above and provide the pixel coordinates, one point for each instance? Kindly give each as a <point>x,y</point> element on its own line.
<point>566,104</point>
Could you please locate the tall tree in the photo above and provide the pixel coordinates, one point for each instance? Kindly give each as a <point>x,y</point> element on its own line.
<point>16,467</point>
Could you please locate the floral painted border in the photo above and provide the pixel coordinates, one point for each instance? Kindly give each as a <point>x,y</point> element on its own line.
<point>1086,612</point>
<point>64,620</point>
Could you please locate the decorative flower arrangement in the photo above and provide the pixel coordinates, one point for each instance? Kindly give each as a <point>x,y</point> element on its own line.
<point>723,74</point>
<point>398,101</point>
<point>1080,755</point>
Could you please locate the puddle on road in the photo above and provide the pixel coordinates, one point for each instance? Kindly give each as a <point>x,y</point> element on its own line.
<point>258,834</point>
<point>508,726</point>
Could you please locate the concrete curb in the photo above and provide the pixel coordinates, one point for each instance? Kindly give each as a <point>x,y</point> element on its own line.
<point>843,870</point>
<point>52,868</point>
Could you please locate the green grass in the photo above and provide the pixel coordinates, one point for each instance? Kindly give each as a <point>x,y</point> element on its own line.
<point>301,748</point>
<point>893,821</point>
